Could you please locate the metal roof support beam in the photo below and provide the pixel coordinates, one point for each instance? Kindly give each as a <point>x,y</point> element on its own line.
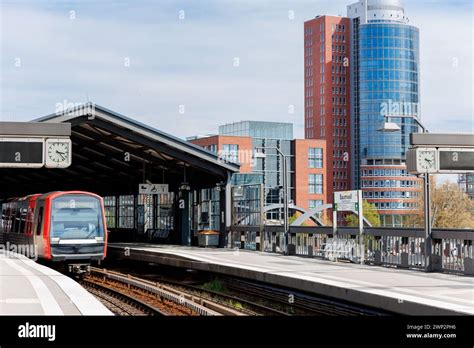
<point>160,147</point>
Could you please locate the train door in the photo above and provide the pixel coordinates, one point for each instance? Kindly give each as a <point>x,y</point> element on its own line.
<point>38,227</point>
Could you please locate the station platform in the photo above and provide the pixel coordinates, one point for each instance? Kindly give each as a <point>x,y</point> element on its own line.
<point>28,288</point>
<point>405,292</point>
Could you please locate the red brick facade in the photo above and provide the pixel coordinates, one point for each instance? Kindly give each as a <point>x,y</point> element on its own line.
<point>327,94</point>
<point>302,171</point>
<point>244,144</point>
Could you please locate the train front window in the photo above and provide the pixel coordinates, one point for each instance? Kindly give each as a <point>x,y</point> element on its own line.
<point>76,217</point>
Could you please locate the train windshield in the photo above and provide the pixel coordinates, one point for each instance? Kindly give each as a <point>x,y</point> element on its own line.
<point>76,216</point>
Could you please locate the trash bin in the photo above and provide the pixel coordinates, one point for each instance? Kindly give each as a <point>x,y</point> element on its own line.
<point>208,238</point>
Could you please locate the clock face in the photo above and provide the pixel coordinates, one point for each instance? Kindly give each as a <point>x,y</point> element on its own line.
<point>58,152</point>
<point>427,160</point>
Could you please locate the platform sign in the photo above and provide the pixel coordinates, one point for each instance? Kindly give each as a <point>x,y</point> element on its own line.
<point>152,189</point>
<point>21,152</point>
<point>456,160</point>
<point>349,201</point>
<point>346,200</point>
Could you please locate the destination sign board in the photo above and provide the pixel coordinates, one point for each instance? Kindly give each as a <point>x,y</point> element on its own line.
<point>21,152</point>
<point>456,160</point>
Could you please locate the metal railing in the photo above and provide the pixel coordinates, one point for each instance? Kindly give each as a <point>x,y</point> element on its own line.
<point>452,249</point>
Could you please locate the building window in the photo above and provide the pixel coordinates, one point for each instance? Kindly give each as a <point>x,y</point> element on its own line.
<point>315,157</point>
<point>315,183</point>
<point>313,203</point>
<point>212,148</point>
<point>230,153</point>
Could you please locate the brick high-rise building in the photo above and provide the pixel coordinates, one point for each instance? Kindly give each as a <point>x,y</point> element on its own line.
<point>327,94</point>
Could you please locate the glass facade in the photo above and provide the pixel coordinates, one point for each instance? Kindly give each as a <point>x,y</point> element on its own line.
<point>466,184</point>
<point>246,179</point>
<point>388,85</point>
<point>270,168</point>
<point>258,129</point>
<point>385,82</point>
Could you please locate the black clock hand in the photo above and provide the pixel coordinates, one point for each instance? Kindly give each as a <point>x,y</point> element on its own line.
<point>62,154</point>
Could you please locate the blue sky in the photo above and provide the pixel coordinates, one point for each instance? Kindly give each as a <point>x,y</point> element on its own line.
<point>51,56</point>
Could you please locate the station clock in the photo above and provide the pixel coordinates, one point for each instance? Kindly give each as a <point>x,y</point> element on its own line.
<point>422,160</point>
<point>58,153</point>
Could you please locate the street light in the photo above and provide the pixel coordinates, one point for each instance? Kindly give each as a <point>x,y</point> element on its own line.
<point>285,187</point>
<point>390,127</point>
<point>393,127</point>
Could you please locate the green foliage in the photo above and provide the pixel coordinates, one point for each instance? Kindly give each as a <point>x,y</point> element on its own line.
<point>214,285</point>
<point>295,216</point>
<point>370,213</point>
<point>236,304</point>
<point>292,219</point>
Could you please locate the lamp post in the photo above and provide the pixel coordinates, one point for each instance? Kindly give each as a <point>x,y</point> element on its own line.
<point>390,127</point>
<point>285,188</point>
<point>393,127</point>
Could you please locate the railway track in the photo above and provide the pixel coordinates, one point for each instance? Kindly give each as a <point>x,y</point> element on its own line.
<point>118,302</point>
<point>244,306</point>
<point>306,303</point>
<point>251,298</point>
<point>160,295</point>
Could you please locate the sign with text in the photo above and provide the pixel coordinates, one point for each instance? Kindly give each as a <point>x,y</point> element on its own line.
<point>456,160</point>
<point>152,189</point>
<point>21,152</point>
<point>346,200</point>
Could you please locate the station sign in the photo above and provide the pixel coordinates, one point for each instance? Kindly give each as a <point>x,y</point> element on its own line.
<point>346,200</point>
<point>21,152</point>
<point>152,189</point>
<point>455,160</point>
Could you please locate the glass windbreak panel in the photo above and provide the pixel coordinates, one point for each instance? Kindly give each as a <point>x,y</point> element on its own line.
<point>126,211</point>
<point>76,217</point>
<point>109,207</point>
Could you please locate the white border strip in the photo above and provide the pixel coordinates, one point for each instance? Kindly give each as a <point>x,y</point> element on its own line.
<point>46,299</point>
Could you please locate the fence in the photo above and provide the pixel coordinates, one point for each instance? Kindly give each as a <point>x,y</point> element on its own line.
<point>452,250</point>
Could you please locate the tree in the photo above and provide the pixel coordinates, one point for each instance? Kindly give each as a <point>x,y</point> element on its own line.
<point>295,216</point>
<point>450,207</point>
<point>370,213</point>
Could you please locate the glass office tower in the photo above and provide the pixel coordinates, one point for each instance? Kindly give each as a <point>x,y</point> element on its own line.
<point>385,82</point>
<point>388,85</point>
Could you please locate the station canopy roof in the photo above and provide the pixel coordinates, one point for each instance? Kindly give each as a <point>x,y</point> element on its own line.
<point>101,141</point>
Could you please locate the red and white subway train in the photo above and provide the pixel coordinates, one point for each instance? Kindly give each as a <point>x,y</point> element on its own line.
<point>65,227</point>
